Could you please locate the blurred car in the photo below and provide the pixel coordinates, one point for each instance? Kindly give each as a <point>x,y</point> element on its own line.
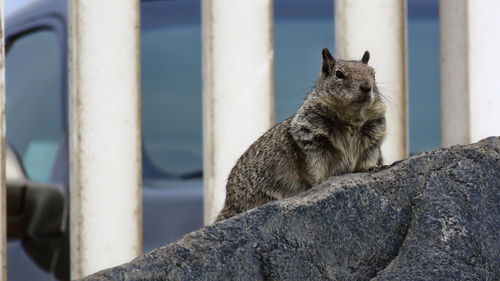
<point>37,110</point>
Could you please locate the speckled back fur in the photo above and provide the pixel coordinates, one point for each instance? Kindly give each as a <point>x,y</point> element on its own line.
<point>338,129</point>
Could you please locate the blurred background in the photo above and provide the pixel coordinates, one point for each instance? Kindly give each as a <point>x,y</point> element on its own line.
<point>36,72</point>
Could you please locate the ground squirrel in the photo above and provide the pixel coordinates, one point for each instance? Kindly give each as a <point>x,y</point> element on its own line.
<point>338,129</point>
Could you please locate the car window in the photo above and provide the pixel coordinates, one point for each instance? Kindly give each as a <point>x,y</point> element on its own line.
<point>171,101</point>
<point>424,79</point>
<point>33,91</point>
<point>297,56</point>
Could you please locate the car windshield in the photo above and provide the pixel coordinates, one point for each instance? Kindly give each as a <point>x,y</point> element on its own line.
<point>172,86</point>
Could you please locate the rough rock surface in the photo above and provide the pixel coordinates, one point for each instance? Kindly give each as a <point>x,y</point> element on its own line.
<point>434,216</point>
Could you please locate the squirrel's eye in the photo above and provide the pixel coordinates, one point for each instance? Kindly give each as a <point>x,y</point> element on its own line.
<point>339,74</point>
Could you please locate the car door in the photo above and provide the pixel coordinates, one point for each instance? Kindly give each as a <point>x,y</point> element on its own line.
<point>35,71</point>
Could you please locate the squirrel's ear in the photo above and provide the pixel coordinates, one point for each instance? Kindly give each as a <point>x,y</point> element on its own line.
<point>328,62</point>
<point>366,57</point>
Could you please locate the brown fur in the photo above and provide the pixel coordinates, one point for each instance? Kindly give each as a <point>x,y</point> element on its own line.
<point>339,129</point>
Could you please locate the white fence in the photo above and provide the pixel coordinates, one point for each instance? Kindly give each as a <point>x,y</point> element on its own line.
<point>470,92</point>
<point>234,118</point>
<point>237,34</point>
<point>380,27</point>
<point>104,134</point>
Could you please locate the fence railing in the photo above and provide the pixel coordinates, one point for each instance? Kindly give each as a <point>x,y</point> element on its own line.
<point>104,134</point>
<point>470,91</point>
<point>238,80</point>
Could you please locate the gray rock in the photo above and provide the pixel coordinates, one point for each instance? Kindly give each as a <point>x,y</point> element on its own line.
<point>434,216</point>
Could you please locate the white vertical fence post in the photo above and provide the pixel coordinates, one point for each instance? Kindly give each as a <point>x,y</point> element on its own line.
<point>470,59</point>
<point>380,27</point>
<point>238,87</point>
<point>3,188</point>
<point>105,135</point>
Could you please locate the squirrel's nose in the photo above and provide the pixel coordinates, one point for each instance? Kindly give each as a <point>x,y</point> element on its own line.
<point>365,87</point>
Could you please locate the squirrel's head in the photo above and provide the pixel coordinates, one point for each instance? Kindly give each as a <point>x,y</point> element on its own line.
<point>350,83</point>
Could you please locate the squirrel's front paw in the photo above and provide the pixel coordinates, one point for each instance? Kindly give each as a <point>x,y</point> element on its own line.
<point>374,168</point>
